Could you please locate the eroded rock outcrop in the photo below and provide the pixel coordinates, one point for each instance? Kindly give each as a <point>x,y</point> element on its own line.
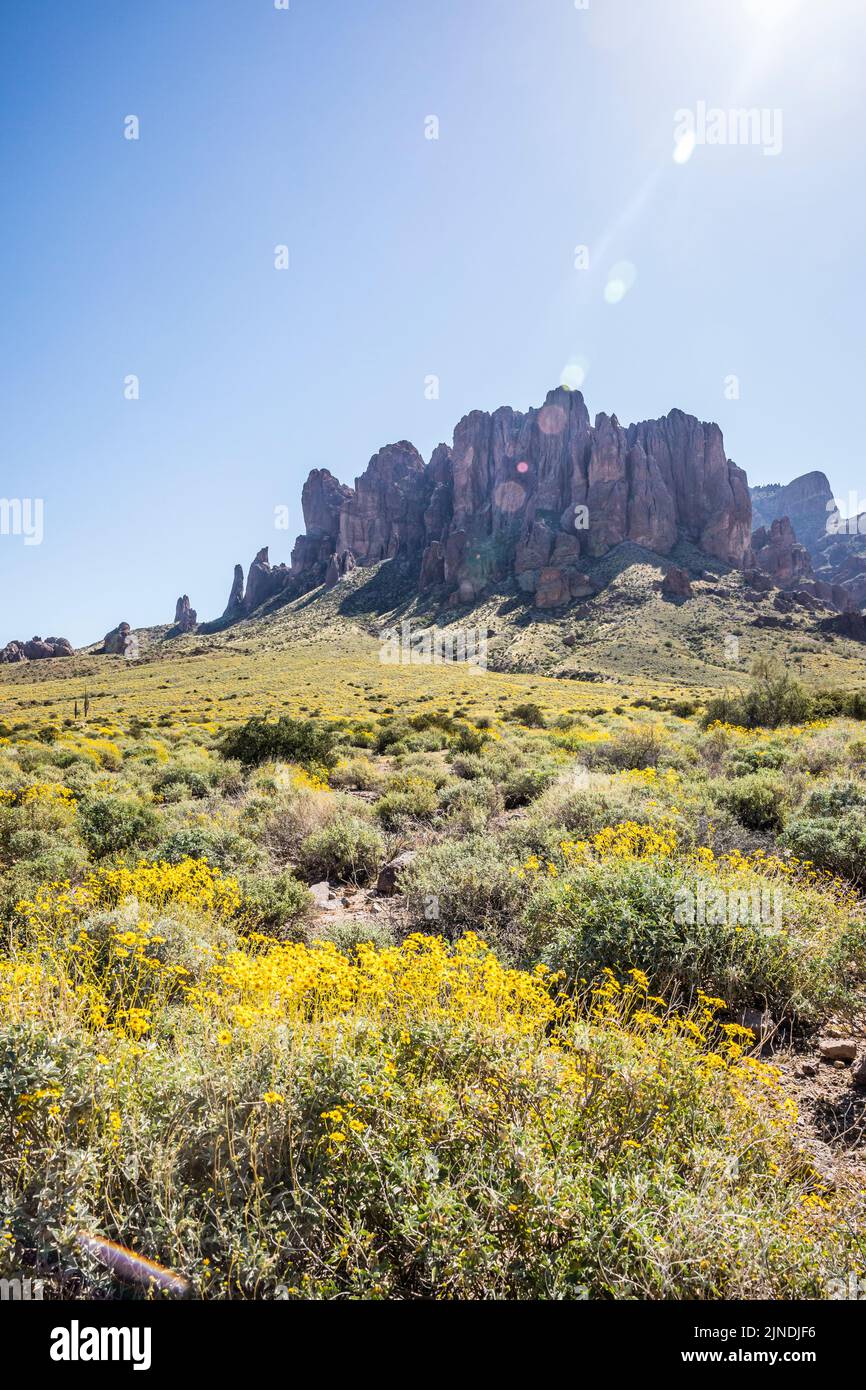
<point>37,649</point>
<point>236,594</point>
<point>119,641</point>
<point>338,567</point>
<point>531,497</point>
<point>780,555</point>
<point>185,618</point>
<point>807,503</point>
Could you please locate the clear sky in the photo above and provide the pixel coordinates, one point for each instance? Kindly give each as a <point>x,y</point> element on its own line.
<point>408,257</point>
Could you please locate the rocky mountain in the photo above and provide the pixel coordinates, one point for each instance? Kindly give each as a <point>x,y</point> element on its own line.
<point>526,498</point>
<point>546,506</point>
<point>807,502</point>
<point>836,546</point>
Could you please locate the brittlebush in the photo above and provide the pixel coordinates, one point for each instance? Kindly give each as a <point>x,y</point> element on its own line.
<point>412,1121</point>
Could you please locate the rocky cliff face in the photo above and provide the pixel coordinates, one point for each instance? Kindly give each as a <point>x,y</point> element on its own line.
<point>836,545</point>
<point>526,497</point>
<point>807,502</point>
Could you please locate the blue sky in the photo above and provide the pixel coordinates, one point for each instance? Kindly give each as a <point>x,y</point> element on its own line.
<point>409,257</point>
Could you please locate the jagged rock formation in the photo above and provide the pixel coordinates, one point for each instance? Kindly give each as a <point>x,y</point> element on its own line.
<point>185,618</point>
<point>37,649</point>
<point>787,565</point>
<point>780,555</point>
<point>836,544</point>
<point>525,497</point>
<point>530,501</point>
<point>236,594</point>
<point>338,567</point>
<point>264,582</point>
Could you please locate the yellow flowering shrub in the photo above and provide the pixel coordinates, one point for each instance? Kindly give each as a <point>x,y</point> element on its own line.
<point>192,883</point>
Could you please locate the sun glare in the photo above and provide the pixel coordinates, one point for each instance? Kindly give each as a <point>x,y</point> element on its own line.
<point>771,12</point>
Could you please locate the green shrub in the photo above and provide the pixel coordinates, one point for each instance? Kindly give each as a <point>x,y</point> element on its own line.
<point>836,843</point>
<point>178,782</point>
<point>530,715</point>
<point>348,849</point>
<point>469,740</point>
<point>570,813</point>
<point>768,758</point>
<point>756,801</point>
<point>481,794</point>
<point>624,915</point>
<point>632,749</point>
<point>835,798</point>
<point>460,886</point>
<point>112,824</point>
<point>360,773</point>
<point>773,698</point>
<point>524,784</point>
<point>301,741</point>
<point>348,933</point>
<point>224,849</point>
<point>411,798</point>
<point>275,904</point>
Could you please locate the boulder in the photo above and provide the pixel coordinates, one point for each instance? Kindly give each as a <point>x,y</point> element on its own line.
<point>755,579</point>
<point>324,896</point>
<point>837,1049</point>
<point>37,649</point>
<point>118,641</point>
<point>386,883</point>
<point>676,583</point>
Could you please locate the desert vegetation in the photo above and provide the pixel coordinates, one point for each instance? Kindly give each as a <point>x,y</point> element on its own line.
<point>471,998</point>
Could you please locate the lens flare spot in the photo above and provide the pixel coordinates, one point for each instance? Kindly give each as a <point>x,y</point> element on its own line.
<point>574,374</point>
<point>619,281</point>
<point>685,147</point>
<point>509,497</point>
<point>552,419</point>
